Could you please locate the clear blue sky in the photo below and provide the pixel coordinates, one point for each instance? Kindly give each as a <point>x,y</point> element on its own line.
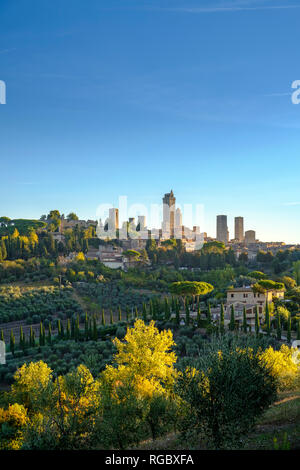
<point>134,97</point>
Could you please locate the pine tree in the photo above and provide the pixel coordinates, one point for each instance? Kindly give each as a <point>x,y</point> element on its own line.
<point>232,319</point>
<point>256,321</point>
<point>222,326</point>
<point>120,314</point>
<point>103,318</point>
<point>278,326</point>
<point>288,335</point>
<point>244,320</point>
<point>12,342</point>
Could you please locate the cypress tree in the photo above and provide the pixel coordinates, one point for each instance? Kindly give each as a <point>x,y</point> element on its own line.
<point>72,328</point>
<point>187,314</point>
<point>167,309</point>
<point>49,338</point>
<point>90,329</point>
<point>127,314</point>
<point>144,312</point>
<point>288,335</point>
<point>173,306</point>
<point>209,314</point>
<point>59,328</point>
<point>267,319</point>
<point>32,332</point>
<point>111,317</point>
<point>256,321</point>
<point>68,333</point>
<point>232,320</point>
<point>77,329</point>
<point>278,326</point>
<point>177,313</point>
<point>222,326</point>
<point>12,342</point>
<point>41,335</point>
<point>198,315</point>
<point>151,311</point>
<point>86,327</point>
<point>136,313</point>
<point>103,318</point>
<point>21,338</point>
<point>95,331</point>
<point>2,336</point>
<point>120,314</point>
<point>244,320</point>
<point>30,337</point>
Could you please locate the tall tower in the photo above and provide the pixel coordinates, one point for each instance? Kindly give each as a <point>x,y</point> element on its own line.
<point>250,237</point>
<point>222,229</point>
<point>178,218</point>
<point>168,224</point>
<point>141,222</point>
<point>113,218</point>
<point>239,228</point>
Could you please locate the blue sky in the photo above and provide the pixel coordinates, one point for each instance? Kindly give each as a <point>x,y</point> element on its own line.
<point>133,97</point>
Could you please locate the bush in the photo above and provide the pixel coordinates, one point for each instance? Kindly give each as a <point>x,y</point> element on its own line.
<point>223,401</point>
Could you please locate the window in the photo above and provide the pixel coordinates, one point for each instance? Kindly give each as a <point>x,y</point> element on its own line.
<point>232,295</point>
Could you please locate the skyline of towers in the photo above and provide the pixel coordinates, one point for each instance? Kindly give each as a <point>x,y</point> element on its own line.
<point>172,225</point>
<point>239,228</point>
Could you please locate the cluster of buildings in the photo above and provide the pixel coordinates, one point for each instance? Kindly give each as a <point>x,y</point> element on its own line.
<point>240,236</point>
<point>134,233</point>
<point>241,298</point>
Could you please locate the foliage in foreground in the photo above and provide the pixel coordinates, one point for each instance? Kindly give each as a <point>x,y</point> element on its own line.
<point>141,396</point>
<point>224,401</point>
